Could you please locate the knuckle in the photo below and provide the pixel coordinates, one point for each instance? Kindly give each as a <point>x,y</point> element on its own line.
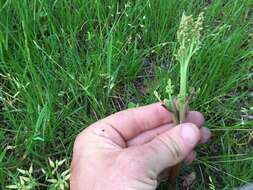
<point>171,146</point>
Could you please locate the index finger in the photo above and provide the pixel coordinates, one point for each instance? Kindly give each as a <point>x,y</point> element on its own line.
<point>131,122</point>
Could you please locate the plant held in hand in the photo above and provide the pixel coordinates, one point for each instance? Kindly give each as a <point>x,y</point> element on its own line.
<point>189,40</point>
<point>188,37</point>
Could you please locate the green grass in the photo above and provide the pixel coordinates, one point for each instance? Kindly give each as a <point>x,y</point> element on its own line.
<point>64,64</point>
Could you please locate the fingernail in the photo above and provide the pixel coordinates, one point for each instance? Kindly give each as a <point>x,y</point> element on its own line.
<point>189,133</point>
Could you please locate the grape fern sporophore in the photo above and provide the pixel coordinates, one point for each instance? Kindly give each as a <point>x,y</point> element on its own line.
<point>188,37</point>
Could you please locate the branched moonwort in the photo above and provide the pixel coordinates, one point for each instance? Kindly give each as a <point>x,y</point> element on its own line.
<point>189,41</point>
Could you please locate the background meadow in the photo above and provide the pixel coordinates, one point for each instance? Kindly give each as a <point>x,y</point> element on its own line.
<point>67,63</point>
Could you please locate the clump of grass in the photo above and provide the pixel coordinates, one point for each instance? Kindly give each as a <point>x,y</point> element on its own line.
<point>25,180</point>
<point>56,178</point>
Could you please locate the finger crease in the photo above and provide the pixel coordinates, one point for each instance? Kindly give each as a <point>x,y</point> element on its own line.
<point>173,147</point>
<point>113,127</point>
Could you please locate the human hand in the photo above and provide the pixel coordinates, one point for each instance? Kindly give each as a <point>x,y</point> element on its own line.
<point>130,149</point>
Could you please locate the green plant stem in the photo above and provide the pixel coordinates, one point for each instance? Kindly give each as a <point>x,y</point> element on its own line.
<point>183,90</point>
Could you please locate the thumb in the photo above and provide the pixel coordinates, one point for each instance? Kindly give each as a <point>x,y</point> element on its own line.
<point>170,148</point>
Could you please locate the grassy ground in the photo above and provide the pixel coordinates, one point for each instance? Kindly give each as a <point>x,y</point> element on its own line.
<point>65,64</point>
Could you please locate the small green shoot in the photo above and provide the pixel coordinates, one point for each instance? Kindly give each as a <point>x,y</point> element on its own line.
<point>188,37</point>
<point>24,181</point>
